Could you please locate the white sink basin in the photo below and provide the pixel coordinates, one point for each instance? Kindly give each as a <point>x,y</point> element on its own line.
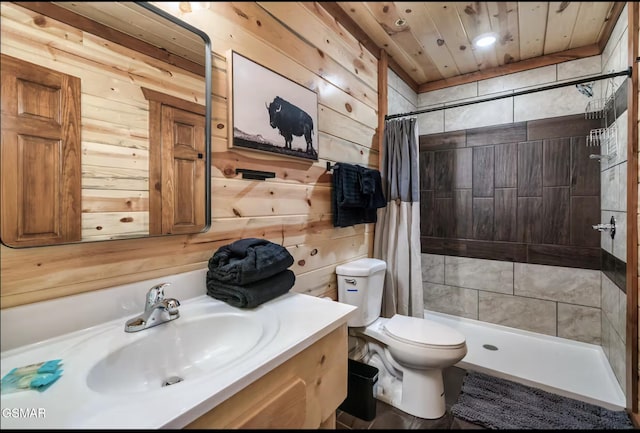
<point>113,379</point>
<point>179,350</point>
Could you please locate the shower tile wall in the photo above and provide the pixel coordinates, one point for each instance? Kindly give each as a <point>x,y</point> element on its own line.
<point>614,203</point>
<point>400,97</point>
<point>552,300</point>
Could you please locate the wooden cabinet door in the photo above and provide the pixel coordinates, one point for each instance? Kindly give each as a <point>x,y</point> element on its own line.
<point>302,393</point>
<point>283,408</point>
<point>41,155</point>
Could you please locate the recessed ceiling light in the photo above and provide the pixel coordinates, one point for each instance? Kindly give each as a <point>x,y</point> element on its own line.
<point>485,40</point>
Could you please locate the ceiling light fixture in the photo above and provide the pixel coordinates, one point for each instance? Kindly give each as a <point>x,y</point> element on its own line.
<point>484,40</point>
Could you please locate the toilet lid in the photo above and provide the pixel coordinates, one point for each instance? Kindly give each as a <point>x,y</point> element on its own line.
<point>414,330</point>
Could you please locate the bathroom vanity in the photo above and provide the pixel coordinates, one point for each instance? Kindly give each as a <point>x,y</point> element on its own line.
<point>303,392</point>
<point>280,365</point>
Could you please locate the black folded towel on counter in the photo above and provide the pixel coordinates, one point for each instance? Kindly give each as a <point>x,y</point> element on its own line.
<point>253,294</point>
<point>248,260</point>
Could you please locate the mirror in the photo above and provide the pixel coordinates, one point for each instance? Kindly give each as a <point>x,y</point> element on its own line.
<point>106,123</point>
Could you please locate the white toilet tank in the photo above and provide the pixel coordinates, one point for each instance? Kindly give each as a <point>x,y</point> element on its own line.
<point>360,283</point>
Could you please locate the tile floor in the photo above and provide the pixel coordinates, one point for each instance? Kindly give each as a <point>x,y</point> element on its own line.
<point>389,417</point>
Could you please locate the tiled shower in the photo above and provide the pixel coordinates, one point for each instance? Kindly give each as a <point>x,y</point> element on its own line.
<point>529,280</point>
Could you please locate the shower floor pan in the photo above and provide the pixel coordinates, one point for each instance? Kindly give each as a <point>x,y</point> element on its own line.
<point>565,367</point>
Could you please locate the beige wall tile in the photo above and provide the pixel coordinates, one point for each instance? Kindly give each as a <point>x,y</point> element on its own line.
<point>579,323</point>
<point>523,313</point>
<point>451,300</point>
<point>622,187</point>
<point>397,103</point>
<point>398,84</point>
<point>617,354</point>
<point>579,68</point>
<point>609,184</point>
<point>432,268</point>
<point>448,94</point>
<point>532,77</point>
<point>610,303</point>
<point>556,283</point>
<point>621,325</point>
<point>489,113</point>
<point>431,123</point>
<point>549,103</point>
<point>605,335</point>
<point>481,274</point>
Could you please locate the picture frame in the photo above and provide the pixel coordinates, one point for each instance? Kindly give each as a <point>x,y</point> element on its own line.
<point>270,113</point>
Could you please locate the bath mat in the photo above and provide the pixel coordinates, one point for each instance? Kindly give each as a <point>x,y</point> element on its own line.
<point>500,404</point>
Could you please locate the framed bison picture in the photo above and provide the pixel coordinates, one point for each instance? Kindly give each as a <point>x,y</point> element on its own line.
<point>270,113</point>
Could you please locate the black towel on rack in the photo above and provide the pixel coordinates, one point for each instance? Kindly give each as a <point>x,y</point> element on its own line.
<point>371,182</point>
<point>356,195</point>
<point>253,294</point>
<point>248,260</point>
<point>350,193</point>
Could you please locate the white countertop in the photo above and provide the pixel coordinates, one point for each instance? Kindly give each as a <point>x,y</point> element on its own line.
<point>71,403</point>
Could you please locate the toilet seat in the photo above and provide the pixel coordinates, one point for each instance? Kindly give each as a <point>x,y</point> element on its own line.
<point>423,333</point>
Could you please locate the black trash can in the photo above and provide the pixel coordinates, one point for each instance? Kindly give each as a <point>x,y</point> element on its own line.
<point>360,401</point>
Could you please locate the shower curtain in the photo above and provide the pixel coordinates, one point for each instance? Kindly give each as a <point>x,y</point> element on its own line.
<point>397,231</point>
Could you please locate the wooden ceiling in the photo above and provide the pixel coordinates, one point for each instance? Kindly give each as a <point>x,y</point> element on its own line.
<point>429,44</point>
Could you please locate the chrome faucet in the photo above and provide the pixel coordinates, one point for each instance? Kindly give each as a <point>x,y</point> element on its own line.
<point>157,310</point>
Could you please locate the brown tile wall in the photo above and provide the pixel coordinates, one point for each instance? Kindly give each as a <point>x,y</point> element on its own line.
<point>524,192</point>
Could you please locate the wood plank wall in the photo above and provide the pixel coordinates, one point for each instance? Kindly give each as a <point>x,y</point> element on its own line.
<point>293,209</point>
<point>115,113</point>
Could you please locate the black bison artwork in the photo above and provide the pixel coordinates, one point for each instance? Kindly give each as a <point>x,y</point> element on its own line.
<point>290,120</point>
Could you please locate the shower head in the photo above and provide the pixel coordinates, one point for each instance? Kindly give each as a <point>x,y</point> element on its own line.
<point>586,89</point>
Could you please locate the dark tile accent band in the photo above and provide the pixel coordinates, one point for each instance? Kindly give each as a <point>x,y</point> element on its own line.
<point>615,269</point>
<point>500,134</point>
<point>620,105</point>
<point>561,255</point>
<point>444,140</point>
<point>564,126</point>
<point>506,251</point>
<point>553,255</point>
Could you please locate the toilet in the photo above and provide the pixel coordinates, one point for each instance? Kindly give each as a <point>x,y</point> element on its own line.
<point>409,352</point>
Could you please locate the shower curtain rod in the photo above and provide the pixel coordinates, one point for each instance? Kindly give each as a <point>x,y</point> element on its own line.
<point>626,72</point>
